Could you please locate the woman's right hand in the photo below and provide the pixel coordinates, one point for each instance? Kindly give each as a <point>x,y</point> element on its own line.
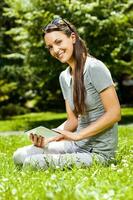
<point>38,141</point>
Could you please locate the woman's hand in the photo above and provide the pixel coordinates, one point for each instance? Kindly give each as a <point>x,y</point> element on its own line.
<point>67,135</point>
<point>40,141</point>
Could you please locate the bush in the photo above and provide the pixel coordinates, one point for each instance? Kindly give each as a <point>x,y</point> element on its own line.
<point>12,109</point>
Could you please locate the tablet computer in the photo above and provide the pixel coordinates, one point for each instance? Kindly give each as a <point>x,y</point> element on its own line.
<point>42,131</point>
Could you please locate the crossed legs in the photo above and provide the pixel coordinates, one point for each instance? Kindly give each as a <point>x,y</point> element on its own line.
<point>62,153</point>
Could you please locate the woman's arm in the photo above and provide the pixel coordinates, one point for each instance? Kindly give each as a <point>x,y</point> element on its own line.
<point>111,115</point>
<point>71,123</point>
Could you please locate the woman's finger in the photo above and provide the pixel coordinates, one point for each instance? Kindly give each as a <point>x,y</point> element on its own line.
<point>42,142</point>
<point>35,140</point>
<point>39,141</point>
<point>31,136</point>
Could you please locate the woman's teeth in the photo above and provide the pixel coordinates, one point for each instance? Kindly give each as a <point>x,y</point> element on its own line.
<point>61,54</point>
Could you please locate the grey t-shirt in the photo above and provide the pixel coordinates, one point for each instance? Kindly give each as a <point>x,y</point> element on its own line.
<point>96,78</point>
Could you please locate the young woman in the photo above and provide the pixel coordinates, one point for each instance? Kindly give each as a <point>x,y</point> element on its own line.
<point>92,107</point>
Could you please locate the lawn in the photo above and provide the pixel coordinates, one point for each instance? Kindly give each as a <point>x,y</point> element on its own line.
<point>113,182</point>
<point>48,119</point>
<point>31,120</point>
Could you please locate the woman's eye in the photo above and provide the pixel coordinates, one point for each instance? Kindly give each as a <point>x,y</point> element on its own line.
<point>58,42</point>
<point>49,48</point>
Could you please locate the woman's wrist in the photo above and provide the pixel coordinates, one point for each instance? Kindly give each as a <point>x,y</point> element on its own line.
<point>78,137</point>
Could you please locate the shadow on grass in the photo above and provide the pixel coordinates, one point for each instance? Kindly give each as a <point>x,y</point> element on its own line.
<point>47,123</point>
<point>126,119</point>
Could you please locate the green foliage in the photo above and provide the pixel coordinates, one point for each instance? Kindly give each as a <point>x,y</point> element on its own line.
<point>107,28</point>
<point>6,89</point>
<point>96,182</point>
<point>12,109</point>
<point>105,25</point>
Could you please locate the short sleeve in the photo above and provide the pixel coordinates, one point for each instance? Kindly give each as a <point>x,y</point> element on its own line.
<point>62,85</point>
<point>100,76</point>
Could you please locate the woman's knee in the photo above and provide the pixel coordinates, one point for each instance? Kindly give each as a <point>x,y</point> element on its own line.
<point>21,153</point>
<point>19,156</point>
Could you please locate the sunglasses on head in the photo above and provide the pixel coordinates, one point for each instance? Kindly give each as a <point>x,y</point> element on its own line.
<point>57,22</point>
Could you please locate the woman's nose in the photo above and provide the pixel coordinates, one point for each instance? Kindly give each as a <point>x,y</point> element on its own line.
<point>56,49</point>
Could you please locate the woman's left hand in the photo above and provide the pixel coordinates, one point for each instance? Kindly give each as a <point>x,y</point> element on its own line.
<point>68,135</point>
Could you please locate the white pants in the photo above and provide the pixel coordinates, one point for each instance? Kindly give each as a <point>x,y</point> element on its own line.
<point>56,154</point>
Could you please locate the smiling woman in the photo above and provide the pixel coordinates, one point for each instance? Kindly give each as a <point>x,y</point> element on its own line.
<point>60,46</point>
<point>92,106</point>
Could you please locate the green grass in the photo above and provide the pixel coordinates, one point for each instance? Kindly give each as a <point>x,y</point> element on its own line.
<point>48,119</point>
<point>98,182</point>
<point>27,121</point>
<point>127,115</point>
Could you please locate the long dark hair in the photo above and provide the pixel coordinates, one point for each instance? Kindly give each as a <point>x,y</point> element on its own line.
<point>79,54</point>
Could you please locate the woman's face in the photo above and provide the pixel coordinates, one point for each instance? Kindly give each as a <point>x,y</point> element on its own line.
<point>60,45</point>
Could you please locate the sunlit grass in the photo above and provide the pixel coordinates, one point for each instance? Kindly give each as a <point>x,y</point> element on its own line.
<point>98,182</point>
<point>30,120</point>
<point>127,111</point>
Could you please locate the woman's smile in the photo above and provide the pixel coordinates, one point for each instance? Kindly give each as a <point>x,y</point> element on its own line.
<point>61,54</point>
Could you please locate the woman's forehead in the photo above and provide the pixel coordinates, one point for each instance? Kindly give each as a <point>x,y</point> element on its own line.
<point>52,36</point>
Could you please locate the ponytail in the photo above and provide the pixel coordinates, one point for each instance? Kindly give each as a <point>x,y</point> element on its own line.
<point>80,55</point>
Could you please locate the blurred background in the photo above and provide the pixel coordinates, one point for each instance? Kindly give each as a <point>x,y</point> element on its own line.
<point>29,75</point>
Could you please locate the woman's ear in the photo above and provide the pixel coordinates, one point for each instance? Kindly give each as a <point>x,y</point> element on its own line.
<point>73,36</point>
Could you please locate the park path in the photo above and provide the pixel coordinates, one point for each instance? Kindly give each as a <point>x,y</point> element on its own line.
<point>8,133</point>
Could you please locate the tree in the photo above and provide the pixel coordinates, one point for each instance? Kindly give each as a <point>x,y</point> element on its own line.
<point>105,25</point>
